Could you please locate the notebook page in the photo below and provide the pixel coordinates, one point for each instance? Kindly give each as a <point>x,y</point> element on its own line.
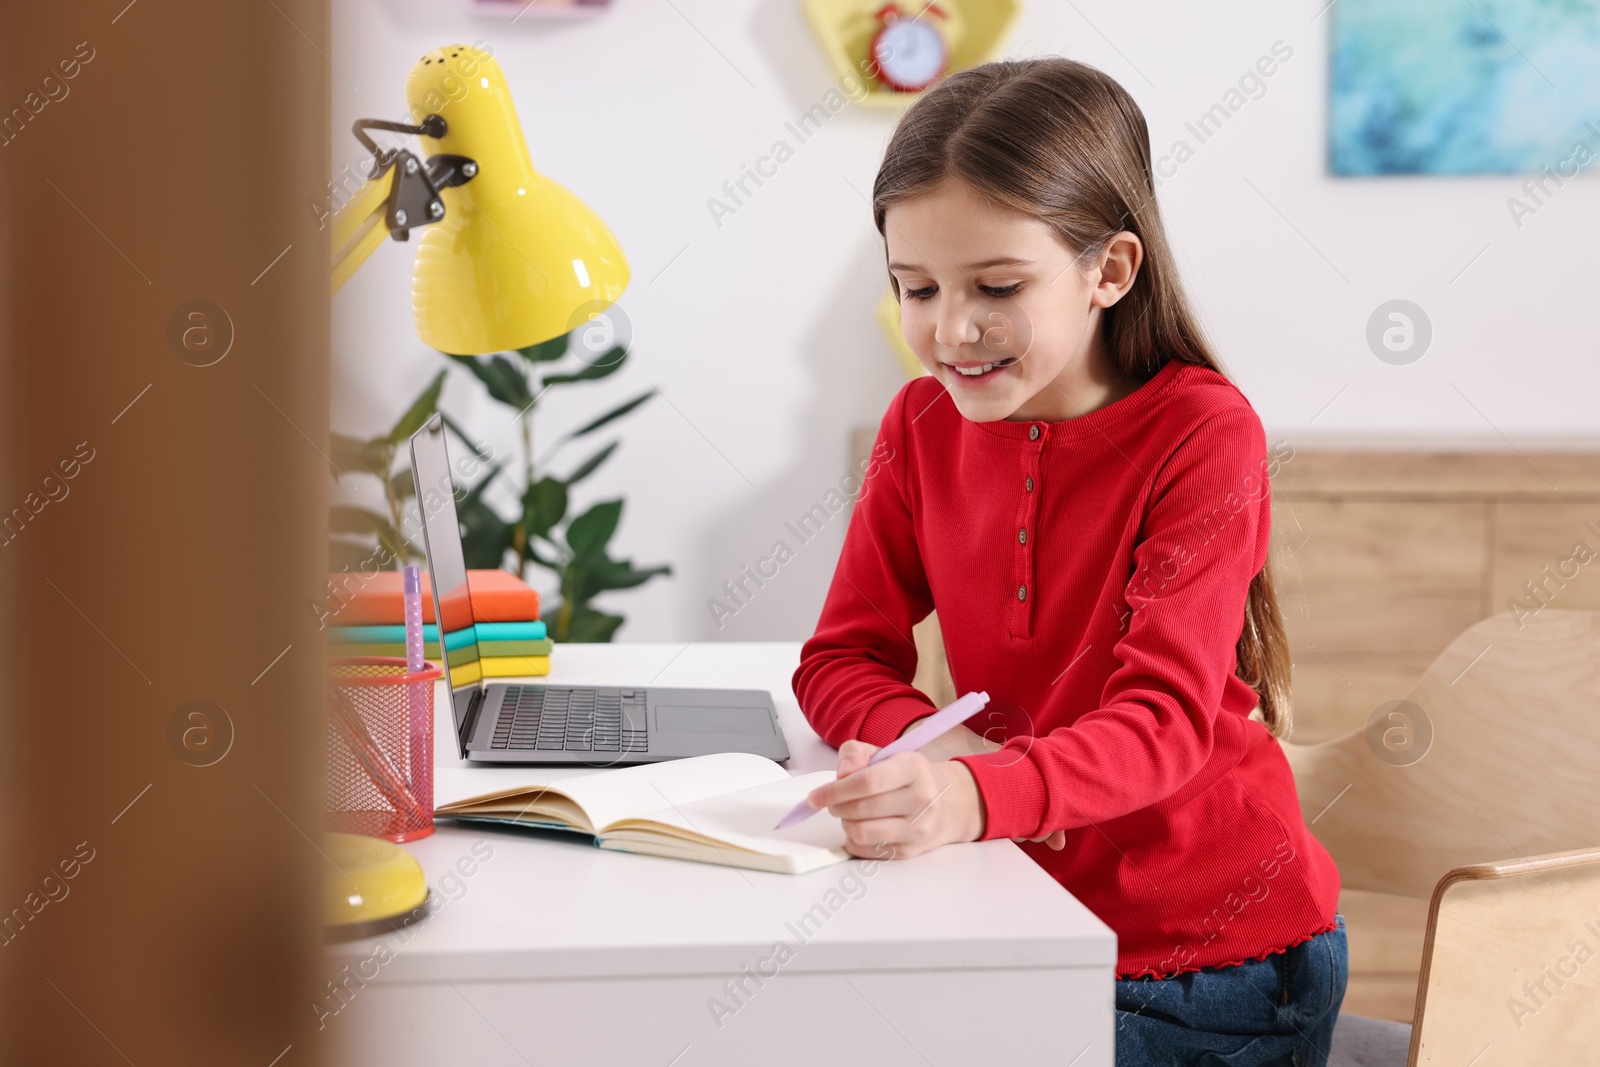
<point>745,819</point>
<point>609,795</point>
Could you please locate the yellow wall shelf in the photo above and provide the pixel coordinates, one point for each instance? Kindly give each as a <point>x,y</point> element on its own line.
<point>973,29</point>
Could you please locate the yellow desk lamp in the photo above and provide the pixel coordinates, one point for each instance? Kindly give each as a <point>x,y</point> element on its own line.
<point>508,258</point>
<point>370,881</point>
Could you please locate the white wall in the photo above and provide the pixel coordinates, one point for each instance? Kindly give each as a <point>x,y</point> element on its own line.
<point>760,334</point>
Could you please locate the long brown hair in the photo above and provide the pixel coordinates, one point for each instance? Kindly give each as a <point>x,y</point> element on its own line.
<point>1063,143</point>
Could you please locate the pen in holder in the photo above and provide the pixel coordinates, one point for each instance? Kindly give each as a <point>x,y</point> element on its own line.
<point>419,707</point>
<point>380,747</point>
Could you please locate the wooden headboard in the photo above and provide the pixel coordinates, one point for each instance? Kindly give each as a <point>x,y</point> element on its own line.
<point>1383,558</point>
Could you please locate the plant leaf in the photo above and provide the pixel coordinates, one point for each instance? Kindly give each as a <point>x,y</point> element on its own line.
<point>418,413</point>
<point>486,537</point>
<point>544,505</point>
<point>614,413</point>
<point>353,455</point>
<point>591,626</point>
<point>402,485</point>
<point>591,576</point>
<point>545,351</point>
<point>346,555</point>
<point>347,519</point>
<point>586,625</point>
<point>547,564</point>
<point>587,467</point>
<point>501,377</point>
<point>608,364</point>
<point>474,494</point>
<point>588,533</point>
<point>623,575</point>
<point>450,424</point>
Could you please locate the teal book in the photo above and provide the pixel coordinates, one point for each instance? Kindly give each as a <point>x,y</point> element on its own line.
<point>396,634</point>
<point>511,631</point>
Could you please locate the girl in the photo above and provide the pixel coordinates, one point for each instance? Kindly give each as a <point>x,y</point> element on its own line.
<point>1083,497</point>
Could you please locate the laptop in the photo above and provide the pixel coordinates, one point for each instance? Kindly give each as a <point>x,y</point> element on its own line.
<point>596,725</point>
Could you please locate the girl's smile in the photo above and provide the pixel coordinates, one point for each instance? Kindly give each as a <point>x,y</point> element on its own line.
<point>972,374</point>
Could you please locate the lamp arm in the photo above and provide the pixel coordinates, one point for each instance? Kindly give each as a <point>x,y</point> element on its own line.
<point>358,227</point>
<point>383,158</point>
<point>400,193</point>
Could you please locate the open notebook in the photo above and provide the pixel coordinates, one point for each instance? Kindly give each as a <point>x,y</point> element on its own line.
<point>719,808</point>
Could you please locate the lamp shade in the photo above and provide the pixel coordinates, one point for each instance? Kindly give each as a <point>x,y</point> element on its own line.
<point>517,258</point>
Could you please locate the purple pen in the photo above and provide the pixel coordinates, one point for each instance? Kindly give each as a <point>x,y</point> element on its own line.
<point>420,763</point>
<point>951,715</point>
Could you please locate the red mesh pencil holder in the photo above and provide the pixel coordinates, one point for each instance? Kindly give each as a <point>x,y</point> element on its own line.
<point>380,747</point>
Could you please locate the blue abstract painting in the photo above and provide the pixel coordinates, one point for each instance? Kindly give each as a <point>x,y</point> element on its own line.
<point>1464,86</point>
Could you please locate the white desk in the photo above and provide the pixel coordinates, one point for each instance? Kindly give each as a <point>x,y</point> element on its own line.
<point>549,951</point>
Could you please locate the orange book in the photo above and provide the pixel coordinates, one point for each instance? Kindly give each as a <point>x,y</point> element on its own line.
<point>377,599</point>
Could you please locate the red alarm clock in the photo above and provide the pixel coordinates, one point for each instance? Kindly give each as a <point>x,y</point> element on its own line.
<point>909,54</point>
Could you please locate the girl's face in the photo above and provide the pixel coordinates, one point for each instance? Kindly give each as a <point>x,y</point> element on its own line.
<point>1000,311</point>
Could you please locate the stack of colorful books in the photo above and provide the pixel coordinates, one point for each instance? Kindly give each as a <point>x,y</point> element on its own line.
<point>504,639</point>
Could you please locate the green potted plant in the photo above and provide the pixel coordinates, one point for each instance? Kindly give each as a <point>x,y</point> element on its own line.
<point>545,531</point>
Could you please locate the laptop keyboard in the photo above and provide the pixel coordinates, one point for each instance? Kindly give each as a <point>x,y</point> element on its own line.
<point>554,718</point>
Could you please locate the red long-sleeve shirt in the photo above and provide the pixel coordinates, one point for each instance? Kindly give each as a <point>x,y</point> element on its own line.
<point>1091,575</point>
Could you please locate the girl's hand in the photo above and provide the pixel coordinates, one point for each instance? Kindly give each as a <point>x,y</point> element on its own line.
<point>903,806</point>
<point>1056,840</point>
<point>961,741</point>
<point>956,741</point>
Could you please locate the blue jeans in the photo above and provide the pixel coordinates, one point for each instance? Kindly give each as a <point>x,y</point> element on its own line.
<point>1275,1012</point>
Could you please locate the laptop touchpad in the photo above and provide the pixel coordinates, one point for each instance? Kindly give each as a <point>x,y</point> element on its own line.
<point>692,720</point>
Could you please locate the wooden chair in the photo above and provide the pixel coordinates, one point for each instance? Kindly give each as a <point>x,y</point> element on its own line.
<point>1497,755</point>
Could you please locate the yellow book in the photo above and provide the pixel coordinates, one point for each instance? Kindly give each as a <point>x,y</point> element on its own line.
<point>499,667</point>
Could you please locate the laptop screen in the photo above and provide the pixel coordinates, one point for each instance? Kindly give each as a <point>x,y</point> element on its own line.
<point>447,567</point>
